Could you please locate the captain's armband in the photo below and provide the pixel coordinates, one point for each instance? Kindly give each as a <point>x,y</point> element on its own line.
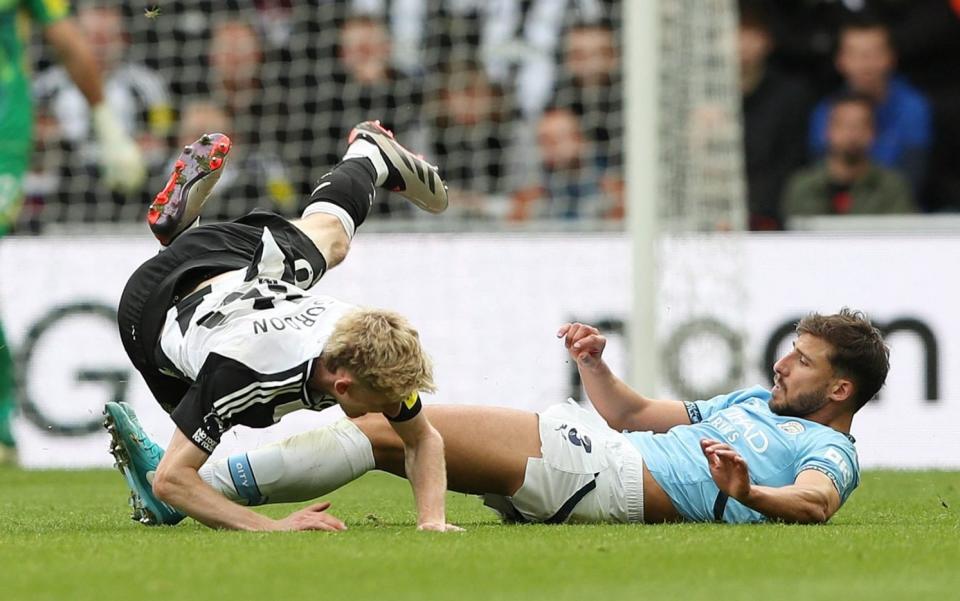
<point>408,408</point>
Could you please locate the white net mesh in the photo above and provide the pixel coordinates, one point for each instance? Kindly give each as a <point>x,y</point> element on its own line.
<point>702,186</point>
<point>700,294</point>
<point>518,102</point>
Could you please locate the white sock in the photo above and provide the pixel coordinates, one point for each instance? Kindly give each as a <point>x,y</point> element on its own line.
<point>299,468</point>
<point>368,150</point>
<point>322,206</point>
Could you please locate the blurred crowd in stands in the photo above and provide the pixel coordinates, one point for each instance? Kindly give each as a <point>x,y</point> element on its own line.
<point>849,106</point>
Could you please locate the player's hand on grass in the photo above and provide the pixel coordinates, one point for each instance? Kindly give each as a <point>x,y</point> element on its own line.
<point>314,517</point>
<point>727,467</point>
<point>584,343</point>
<point>438,527</point>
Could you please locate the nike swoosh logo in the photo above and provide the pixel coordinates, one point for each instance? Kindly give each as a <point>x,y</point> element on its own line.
<point>321,187</point>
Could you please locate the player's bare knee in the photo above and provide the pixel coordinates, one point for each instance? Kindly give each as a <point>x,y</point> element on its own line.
<point>337,250</point>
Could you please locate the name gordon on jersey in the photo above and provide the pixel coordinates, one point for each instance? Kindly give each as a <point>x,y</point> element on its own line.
<point>298,321</point>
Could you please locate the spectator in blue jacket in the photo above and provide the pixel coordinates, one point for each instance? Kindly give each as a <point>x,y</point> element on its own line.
<point>867,61</point>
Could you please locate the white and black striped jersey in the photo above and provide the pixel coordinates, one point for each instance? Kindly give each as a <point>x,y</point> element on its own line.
<point>247,343</point>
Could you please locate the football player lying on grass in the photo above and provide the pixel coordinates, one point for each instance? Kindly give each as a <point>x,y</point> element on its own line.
<point>749,456</point>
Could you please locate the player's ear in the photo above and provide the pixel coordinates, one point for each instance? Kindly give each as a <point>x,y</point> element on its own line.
<point>342,384</point>
<point>842,390</point>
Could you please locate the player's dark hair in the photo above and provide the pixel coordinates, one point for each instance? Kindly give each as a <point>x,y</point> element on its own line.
<point>858,352</point>
<point>866,22</point>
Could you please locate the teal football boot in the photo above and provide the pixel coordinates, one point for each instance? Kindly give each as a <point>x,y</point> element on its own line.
<point>137,458</point>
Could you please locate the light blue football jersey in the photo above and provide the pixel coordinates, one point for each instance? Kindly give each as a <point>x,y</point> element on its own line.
<point>776,449</point>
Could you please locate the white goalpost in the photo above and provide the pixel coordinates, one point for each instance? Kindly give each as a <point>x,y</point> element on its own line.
<point>641,95</point>
<point>686,193</point>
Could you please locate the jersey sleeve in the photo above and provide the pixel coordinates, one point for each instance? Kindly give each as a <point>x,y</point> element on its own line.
<point>227,393</point>
<point>409,409</point>
<point>838,463</point>
<point>48,12</point>
<point>699,411</point>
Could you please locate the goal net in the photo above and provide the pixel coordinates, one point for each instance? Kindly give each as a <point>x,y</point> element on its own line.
<point>519,103</point>
<point>690,282</point>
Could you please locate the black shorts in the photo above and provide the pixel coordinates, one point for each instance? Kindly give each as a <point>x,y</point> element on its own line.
<point>197,255</point>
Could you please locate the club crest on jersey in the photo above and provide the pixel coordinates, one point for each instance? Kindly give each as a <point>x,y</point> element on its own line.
<point>791,427</point>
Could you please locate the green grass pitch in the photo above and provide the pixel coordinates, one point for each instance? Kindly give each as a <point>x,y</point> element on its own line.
<point>67,536</point>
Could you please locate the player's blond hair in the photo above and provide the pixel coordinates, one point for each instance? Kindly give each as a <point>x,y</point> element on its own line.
<point>382,350</point>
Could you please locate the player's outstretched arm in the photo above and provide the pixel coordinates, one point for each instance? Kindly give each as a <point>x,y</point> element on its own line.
<point>622,407</point>
<point>76,56</point>
<point>811,499</point>
<point>426,469</point>
<point>177,483</point>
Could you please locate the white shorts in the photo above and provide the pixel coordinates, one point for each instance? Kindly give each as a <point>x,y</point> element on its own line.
<point>588,473</point>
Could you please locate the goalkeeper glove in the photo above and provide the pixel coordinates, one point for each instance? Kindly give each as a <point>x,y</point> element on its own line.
<point>120,157</point>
